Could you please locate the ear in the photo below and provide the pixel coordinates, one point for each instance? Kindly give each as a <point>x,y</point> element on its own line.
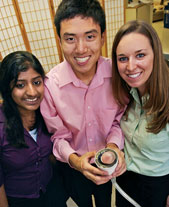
<point>103,38</point>
<point>59,40</point>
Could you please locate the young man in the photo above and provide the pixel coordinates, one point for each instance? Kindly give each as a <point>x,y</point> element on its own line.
<point>78,107</point>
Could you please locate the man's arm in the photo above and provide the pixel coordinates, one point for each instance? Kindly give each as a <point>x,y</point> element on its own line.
<point>3,198</point>
<point>61,135</point>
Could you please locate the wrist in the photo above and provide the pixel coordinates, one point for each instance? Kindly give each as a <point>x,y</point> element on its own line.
<point>74,161</point>
<point>112,146</point>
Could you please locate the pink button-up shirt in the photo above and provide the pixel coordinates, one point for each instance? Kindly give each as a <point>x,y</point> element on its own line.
<point>81,118</point>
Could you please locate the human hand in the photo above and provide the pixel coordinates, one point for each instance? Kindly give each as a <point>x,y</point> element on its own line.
<point>167,202</point>
<point>121,167</point>
<point>3,200</point>
<point>83,165</point>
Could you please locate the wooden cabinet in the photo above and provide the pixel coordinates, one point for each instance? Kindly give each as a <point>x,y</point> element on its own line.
<point>165,42</point>
<point>140,12</point>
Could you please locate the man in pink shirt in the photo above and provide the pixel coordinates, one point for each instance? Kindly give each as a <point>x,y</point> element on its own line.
<point>78,107</point>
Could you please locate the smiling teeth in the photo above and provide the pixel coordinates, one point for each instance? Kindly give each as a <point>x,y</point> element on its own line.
<point>134,75</point>
<point>82,60</point>
<point>31,100</point>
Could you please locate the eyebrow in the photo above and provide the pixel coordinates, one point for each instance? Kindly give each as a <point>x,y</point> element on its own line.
<point>32,78</point>
<point>92,31</point>
<point>88,32</point>
<point>135,52</point>
<point>120,55</point>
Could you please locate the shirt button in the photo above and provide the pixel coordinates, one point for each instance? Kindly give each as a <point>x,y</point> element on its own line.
<point>88,107</point>
<point>89,124</point>
<point>90,140</point>
<point>37,163</point>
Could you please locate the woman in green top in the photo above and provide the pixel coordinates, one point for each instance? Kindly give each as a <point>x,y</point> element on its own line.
<point>141,80</point>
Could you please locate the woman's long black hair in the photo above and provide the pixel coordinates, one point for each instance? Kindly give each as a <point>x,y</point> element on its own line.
<point>11,66</point>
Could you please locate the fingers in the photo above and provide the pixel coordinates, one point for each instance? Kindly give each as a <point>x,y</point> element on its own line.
<point>119,171</point>
<point>97,176</point>
<point>85,160</point>
<point>93,173</point>
<point>167,202</point>
<point>98,180</point>
<point>79,162</point>
<point>121,167</point>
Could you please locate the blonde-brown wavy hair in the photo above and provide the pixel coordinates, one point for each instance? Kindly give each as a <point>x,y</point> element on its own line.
<point>157,85</point>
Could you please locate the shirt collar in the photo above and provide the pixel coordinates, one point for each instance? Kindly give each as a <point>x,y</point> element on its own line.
<point>135,95</point>
<point>66,74</point>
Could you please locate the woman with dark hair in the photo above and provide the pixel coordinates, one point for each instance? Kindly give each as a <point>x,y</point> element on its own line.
<point>141,80</point>
<point>25,146</point>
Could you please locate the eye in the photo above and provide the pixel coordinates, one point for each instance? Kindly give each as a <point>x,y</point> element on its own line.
<point>70,39</point>
<point>19,85</point>
<point>90,37</point>
<point>37,83</point>
<point>140,55</point>
<point>122,59</point>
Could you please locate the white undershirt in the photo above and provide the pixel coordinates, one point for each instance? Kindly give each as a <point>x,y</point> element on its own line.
<point>33,134</point>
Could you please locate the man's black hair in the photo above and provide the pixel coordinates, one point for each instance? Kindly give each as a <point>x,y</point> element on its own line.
<point>68,9</point>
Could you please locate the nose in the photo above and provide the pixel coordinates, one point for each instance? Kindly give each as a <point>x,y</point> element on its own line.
<point>31,90</point>
<point>81,46</point>
<point>131,64</point>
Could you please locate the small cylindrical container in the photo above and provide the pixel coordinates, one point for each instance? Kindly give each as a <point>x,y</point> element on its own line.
<point>107,160</point>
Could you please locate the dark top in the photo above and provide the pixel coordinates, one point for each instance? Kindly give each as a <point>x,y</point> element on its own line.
<point>24,172</point>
